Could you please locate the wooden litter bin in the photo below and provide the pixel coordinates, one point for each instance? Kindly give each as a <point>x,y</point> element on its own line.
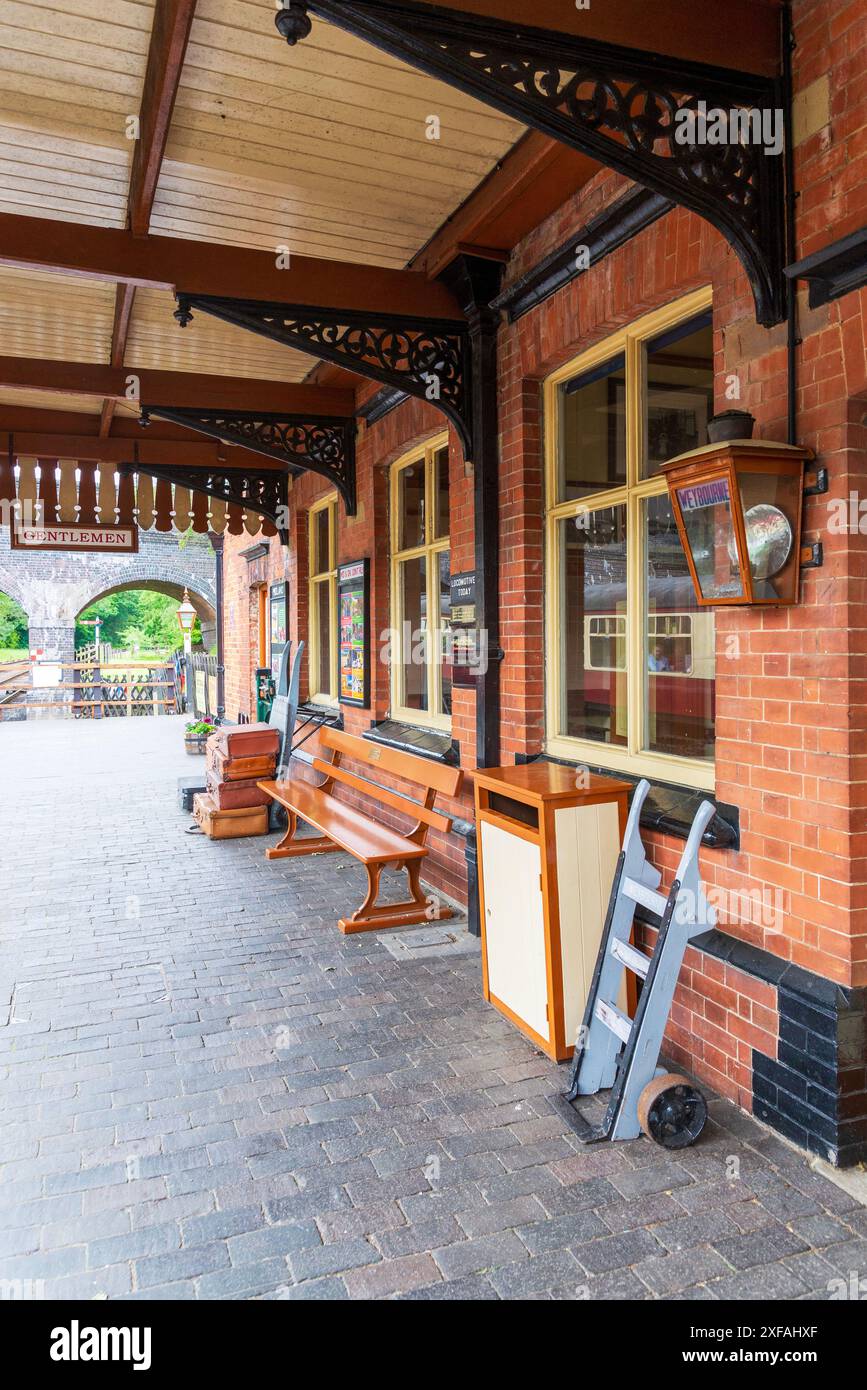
<point>548,841</point>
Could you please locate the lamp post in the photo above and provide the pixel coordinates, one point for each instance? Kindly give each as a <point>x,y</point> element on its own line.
<point>186,619</point>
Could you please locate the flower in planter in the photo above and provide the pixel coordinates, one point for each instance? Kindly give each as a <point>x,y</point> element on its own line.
<point>200,728</point>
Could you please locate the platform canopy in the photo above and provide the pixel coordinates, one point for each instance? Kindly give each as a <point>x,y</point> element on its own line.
<point>171,162</point>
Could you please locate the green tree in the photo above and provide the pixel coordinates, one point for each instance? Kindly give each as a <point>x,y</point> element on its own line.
<point>13,624</point>
<point>135,617</point>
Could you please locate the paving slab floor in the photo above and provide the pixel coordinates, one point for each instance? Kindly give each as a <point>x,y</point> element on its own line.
<point>206,1091</point>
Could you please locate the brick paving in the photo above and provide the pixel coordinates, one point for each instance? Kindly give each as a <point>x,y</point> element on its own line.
<point>208,1092</point>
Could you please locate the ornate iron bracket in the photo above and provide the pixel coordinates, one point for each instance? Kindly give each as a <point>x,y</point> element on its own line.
<point>619,105</point>
<point>265,493</point>
<point>316,444</point>
<point>428,358</point>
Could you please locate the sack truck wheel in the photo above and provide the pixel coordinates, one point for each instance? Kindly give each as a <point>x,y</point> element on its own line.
<point>671,1111</point>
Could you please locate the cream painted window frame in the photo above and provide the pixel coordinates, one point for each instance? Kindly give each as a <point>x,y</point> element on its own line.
<point>319,583</point>
<point>633,758</point>
<point>430,550</point>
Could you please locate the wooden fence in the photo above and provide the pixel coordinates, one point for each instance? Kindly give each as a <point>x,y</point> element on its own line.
<point>200,685</point>
<point>88,690</point>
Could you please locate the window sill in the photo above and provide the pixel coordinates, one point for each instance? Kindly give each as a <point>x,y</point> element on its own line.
<point>425,742</point>
<point>312,709</point>
<point>658,769</point>
<point>671,808</point>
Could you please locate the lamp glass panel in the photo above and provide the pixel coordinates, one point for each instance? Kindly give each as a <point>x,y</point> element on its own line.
<point>706,509</point>
<point>680,665</point>
<point>770,506</point>
<point>593,595</point>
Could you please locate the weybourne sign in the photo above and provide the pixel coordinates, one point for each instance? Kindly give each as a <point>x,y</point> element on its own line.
<point>121,539</point>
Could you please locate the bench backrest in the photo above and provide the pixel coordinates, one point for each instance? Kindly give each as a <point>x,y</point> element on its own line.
<point>432,778</point>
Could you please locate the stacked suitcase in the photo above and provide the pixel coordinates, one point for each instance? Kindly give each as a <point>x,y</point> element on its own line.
<point>236,759</point>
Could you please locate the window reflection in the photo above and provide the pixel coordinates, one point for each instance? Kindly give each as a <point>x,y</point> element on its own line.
<point>679,675</point>
<point>592,549</point>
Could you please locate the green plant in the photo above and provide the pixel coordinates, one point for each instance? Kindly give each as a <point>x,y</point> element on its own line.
<point>13,624</point>
<point>197,728</point>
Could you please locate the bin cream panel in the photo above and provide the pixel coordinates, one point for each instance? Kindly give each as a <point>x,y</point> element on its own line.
<point>515,926</point>
<point>588,843</point>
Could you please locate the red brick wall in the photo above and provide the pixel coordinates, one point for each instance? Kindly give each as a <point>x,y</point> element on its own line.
<point>791,684</point>
<point>241,625</point>
<point>364,535</point>
<point>790,732</point>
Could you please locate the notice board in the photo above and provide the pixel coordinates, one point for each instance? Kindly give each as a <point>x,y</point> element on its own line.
<point>464,634</point>
<point>353,608</point>
<point>278,633</point>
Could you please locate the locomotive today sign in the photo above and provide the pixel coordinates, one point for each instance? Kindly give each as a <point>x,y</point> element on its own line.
<point>75,536</point>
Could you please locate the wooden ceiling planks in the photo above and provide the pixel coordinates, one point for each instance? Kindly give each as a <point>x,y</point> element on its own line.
<point>50,400</point>
<point>325,151</point>
<point>206,345</point>
<point>55,316</point>
<point>65,104</point>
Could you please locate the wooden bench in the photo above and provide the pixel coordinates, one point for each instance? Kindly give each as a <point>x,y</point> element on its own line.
<point>345,827</point>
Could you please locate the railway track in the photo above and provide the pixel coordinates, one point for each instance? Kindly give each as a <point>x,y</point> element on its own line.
<point>14,681</point>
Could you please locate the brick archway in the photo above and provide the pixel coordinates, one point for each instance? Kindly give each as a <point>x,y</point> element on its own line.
<point>54,589</point>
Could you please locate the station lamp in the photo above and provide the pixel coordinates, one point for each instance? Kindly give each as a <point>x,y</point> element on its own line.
<point>186,619</point>
<point>738,507</point>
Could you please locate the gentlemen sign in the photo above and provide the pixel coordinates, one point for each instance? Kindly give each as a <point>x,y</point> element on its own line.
<point>121,539</point>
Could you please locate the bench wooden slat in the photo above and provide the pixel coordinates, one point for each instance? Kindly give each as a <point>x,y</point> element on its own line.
<point>409,766</point>
<point>352,830</point>
<point>385,795</point>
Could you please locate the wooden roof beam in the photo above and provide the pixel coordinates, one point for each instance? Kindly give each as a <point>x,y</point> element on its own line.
<point>168,44</point>
<point>170,32</point>
<point>123,302</point>
<point>173,388</point>
<point>198,267</point>
<point>168,446</point>
<point>741,34</point>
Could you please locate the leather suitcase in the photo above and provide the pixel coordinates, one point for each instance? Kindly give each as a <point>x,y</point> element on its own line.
<point>230,795</point>
<point>246,741</point>
<point>229,825</point>
<point>231,769</point>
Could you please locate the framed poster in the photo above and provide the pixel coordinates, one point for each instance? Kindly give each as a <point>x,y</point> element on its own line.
<point>353,610</point>
<point>277,622</point>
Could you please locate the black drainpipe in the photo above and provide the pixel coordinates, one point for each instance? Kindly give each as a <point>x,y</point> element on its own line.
<point>475,281</point>
<point>793,341</point>
<point>217,543</point>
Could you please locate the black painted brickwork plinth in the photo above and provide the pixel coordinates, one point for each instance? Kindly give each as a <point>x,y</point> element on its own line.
<point>815,1091</point>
